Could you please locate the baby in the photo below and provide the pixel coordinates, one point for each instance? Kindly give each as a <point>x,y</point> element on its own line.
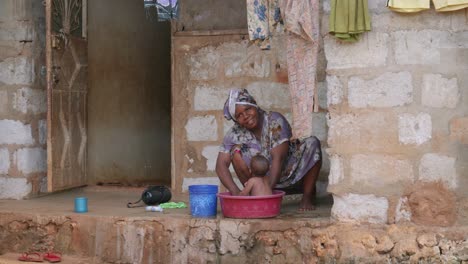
<point>258,184</point>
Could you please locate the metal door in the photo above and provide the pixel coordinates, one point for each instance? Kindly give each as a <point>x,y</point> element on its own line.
<point>67,65</point>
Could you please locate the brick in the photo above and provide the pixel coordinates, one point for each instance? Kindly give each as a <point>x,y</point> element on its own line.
<point>209,98</point>
<point>418,47</point>
<point>14,188</point>
<point>211,154</point>
<point>31,160</point>
<point>360,208</point>
<point>319,125</point>
<point>204,64</point>
<point>414,129</point>
<point>402,211</point>
<point>461,58</point>
<point>42,131</point>
<point>202,128</point>
<point>336,170</point>
<point>455,40</point>
<point>334,90</point>
<point>457,23</point>
<point>17,70</point>
<point>30,100</point>
<point>439,92</point>
<point>370,51</point>
<point>389,21</point>
<point>15,132</point>
<point>4,160</point>
<point>350,132</point>
<point>3,102</point>
<point>459,129</point>
<point>243,60</point>
<point>438,167</point>
<point>11,48</point>
<point>387,90</point>
<point>17,31</point>
<point>270,95</point>
<point>380,170</point>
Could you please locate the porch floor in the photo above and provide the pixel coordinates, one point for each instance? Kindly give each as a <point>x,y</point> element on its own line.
<point>112,201</point>
<point>109,203</point>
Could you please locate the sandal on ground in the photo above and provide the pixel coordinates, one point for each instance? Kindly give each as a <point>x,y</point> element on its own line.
<point>31,257</point>
<point>52,257</point>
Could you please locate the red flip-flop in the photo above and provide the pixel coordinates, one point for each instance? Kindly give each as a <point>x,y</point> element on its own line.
<point>52,257</point>
<point>31,257</point>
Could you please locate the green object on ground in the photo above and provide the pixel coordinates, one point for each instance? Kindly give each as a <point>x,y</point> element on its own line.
<point>172,205</point>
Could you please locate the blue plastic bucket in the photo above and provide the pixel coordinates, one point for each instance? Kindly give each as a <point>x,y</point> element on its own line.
<point>203,200</point>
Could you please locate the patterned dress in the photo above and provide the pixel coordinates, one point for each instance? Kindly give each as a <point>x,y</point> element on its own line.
<point>302,154</point>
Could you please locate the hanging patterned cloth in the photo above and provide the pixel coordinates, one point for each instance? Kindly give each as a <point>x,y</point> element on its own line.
<point>262,17</point>
<point>163,9</point>
<point>301,20</point>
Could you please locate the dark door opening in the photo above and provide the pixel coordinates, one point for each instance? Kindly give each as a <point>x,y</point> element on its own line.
<point>129,79</point>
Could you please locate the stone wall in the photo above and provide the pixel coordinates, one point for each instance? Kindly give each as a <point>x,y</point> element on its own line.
<point>396,103</point>
<point>23,103</point>
<point>204,69</point>
<point>171,238</point>
<point>398,112</point>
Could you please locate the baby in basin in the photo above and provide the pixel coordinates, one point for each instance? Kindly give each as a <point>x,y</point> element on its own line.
<point>258,184</point>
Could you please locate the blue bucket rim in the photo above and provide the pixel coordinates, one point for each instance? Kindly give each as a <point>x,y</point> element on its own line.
<point>203,187</point>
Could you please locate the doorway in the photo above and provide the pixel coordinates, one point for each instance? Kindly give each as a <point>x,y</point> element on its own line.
<point>129,95</point>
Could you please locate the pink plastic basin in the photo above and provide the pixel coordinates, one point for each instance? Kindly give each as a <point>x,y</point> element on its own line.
<point>251,206</point>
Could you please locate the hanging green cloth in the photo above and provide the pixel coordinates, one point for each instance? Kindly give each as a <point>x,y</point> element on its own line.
<point>348,19</point>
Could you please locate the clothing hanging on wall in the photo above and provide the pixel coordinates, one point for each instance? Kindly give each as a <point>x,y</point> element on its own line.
<point>348,19</point>
<point>262,18</point>
<point>412,6</point>
<point>162,9</point>
<point>302,22</point>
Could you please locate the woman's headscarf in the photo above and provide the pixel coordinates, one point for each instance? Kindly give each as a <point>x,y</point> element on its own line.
<point>237,97</point>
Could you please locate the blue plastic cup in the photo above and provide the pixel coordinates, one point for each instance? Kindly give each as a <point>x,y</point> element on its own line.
<point>203,200</point>
<point>81,204</point>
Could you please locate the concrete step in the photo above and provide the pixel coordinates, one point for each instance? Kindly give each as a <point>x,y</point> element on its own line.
<point>112,233</point>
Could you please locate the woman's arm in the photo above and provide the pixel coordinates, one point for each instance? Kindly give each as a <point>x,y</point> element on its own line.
<point>278,156</point>
<point>222,169</point>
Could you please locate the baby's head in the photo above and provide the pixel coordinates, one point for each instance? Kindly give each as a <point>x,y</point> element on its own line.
<point>259,165</point>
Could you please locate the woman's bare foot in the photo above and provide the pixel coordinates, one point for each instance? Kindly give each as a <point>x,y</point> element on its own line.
<point>306,205</point>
